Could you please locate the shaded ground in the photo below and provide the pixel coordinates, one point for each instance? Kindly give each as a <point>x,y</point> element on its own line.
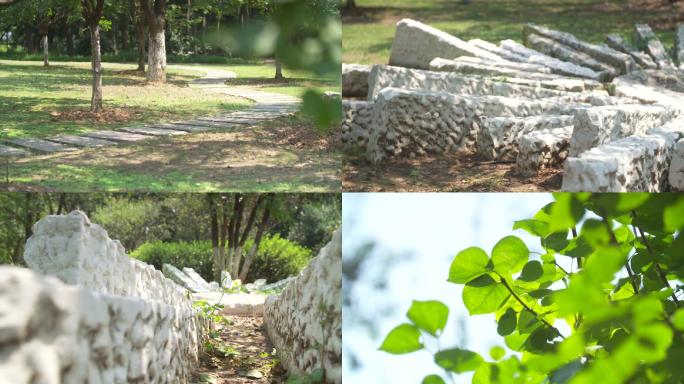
<point>453,173</point>
<point>285,154</point>
<point>238,350</point>
<point>369,29</point>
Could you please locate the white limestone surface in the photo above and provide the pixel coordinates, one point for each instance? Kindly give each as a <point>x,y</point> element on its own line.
<point>356,118</point>
<point>355,80</point>
<point>304,322</point>
<point>539,150</point>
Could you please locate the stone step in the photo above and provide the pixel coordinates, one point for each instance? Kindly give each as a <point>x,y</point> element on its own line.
<point>186,127</point>
<point>6,151</point>
<point>152,131</point>
<point>120,136</point>
<point>81,141</point>
<point>41,145</point>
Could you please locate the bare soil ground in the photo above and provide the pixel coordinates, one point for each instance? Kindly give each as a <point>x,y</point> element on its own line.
<point>450,173</point>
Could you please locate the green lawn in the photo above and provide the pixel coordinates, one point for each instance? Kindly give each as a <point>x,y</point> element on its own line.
<point>368,31</point>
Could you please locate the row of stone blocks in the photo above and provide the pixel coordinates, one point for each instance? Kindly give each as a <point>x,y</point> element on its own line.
<point>86,313</point>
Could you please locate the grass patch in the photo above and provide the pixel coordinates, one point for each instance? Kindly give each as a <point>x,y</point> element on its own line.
<point>368,31</point>
<point>39,102</point>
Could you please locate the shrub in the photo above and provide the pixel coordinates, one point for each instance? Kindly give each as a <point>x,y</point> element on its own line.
<point>277,258</point>
<point>130,222</point>
<point>196,255</point>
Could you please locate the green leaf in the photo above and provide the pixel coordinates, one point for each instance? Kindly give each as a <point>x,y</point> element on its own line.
<point>673,218</point>
<point>497,353</point>
<point>678,319</point>
<point>556,241</point>
<point>509,255</point>
<point>534,227</point>
<point>595,233</point>
<point>565,212</point>
<point>433,379</point>
<point>484,295</point>
<point>430,316</point>
<point>467,265</point>
<point>616,204</point>
<point>404,338</point>
<point>532,271</point>
<point>458,360</point>
<point>507,322</point>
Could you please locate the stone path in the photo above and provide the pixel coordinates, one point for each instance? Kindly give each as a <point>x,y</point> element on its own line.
<point>268,106</point>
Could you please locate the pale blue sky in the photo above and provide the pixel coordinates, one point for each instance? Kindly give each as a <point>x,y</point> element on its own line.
<point>433,228</point>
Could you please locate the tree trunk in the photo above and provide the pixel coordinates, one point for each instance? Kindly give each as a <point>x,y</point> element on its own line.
<point>69,40</point>
<point>115,47</point>
<point>257,240</point>
<point>156,57</point>
<point>140,36</point>
<point>214,236</point>
<point>46,52</point>
<point>125,17</point>
<point>351,4</point>
<point>279,70</point>
<point>96,61</point>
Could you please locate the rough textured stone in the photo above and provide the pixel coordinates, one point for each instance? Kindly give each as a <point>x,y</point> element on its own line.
<point>304,322</point>
<point>357,116</point>
<point>518,66</point>
<point>622,62</point>
<point>567,54</point>
<point>557,66</point>
<point>679,46</point>
<point>199,280</point>
<point>499,137</point>
<point>52,332</point>
<point>503,53</point>
<point>355,80</point>
<point>676,172</point>
<point>664,86</point>
<point>600,125</point>
<point>618,43</point>
<point>180,278</point>
<point>546,148</point>
<point>636,163</point>
<point>383,76</point>
<point>646,38</point>
<point>415,44</point>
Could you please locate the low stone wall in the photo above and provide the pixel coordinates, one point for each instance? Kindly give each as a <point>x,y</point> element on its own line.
<point>305,321</point>
<point>546,148</point>
<point>97,317</point>
<point>357,116</point>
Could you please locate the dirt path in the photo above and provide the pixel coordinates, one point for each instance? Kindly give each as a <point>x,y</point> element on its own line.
<point>240,353</point>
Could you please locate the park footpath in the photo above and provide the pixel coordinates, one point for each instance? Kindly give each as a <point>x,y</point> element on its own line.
<point>268,106</point>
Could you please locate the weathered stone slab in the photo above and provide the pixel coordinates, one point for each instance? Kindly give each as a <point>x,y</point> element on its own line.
<point>679,46</point>
<point>309,313</point>
<point>513,76</point>
<point>6,151</point>
<point>618,43</point>
<point>357,116</point>
<point>41,145</point>
<point>557,66</point>
<point>81,141</point>
<point>518,66</point>
<point>663,86</point>
<point>124,137</point>
<point>181,278</point>
<point>503,53</point>
<point>199,280</point>
<point>384,76</point>
<point>636,163</point>
<point>600,125</point>
<point>415,44</point>
<point>676,172</point>
<point>281,284</point>
<point>567,54</point>
<point>151,131</point>
<point>227,119</point>
<point>188,126</point>
<point>650,42</point>
<point>498,137</point>
<point>622,62</point>
<point>546,148</point>
<point>355,80</point>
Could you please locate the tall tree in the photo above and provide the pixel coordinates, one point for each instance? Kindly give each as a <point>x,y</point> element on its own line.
<point>155,17</point>
<point>139,34</point>
<point>92,13</point>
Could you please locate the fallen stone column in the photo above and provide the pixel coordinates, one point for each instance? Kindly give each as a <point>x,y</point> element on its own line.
<point>181,278</point>
<point>52,332</point>
<point>383,76</point>
<point>523,67</point>
<point>357,116</point>
<point>562,52</point>
<point>676,172</point>
<point>498,137</point>
<point>600,125</point>
<point>557,66</point>
<point>415,44</point>
<point>305,320</point>
<point>636,163</point>
<point>355,80</point>
<point>616,42</point>
<point>646,38</point>
<point>513,76</point>
<point>663,87</point>
<point>78,252</point>
<point>622,62</point>
<point>546,148</point>
<point>503,53</point>
<point>679,46</point>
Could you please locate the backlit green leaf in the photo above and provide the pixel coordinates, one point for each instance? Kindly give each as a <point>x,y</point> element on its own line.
<point>480,299</point>
<point>430,316</point>
<point>433,379</point>
<point>467,265</point>
<point>497,353</point>
<point>534,227</point>
<point>509,255</point>
<point>507,322</point>
<point>565,212</point>
<point>674,216</point>
<point>458,360</point>
<point>405,338</point>
<point>532,271</point>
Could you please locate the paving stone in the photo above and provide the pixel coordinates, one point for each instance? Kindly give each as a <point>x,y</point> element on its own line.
<point>227,119</point>
<point>186,126</point>
<point>6,151</point>
<point>41,145</point>
<point>81,141</point>
<point>152,131</point>
<point>125,137</point>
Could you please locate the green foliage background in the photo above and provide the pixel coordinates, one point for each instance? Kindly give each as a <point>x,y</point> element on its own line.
<point>620,301</point>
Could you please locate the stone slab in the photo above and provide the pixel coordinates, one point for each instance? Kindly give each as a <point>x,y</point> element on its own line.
<point>183,127</point>
<point>679,46</point>
<point>81,141</point>
<point>356,118</point>
<point>151,131</point>
<point>618,43</point>
<point>40,145</point>
<point>676,172</point>
<point>546,148</point>
<point>493,48</point>
<point>415,44</point>
<point>518,66</point>
<point>355,80</point>
<point>650,42</point>
<point>557,66</point>
<point>124,137</point>
<point>6,151</point>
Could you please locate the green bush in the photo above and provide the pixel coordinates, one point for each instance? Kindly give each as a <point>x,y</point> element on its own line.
<point>196,255</point>
<point>277,258</point>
